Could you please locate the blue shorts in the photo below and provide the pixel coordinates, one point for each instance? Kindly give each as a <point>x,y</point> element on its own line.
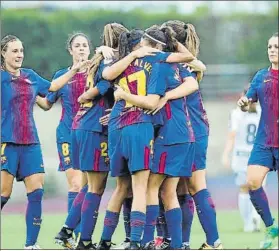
<point>64,153</point>
<point>129,149</point>
<point>173,160</point>
<point>21,161</point>
<point>89,151</point>
<point>201,145</point>
<point>264,156</point>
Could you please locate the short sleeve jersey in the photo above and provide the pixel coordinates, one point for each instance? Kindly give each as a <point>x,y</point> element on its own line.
<point>88,115</point>
<point>264,87</point>
<point>18,97</point>
<point>197,111</point>
<point>177,127</point>
<point>69,95</point>
<point>140,78</point>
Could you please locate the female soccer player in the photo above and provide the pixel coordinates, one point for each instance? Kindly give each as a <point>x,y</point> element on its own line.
<point>21,155</point>
<point>131,131</point>
<point>78,45</point>
<point>264,155</point>
<point>187,35</point>
<point>173,156</point>
<point>240,140</point>
<point>89,147</point>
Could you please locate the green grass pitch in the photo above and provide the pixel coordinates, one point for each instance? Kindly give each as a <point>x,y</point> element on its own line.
<point>229,224</point>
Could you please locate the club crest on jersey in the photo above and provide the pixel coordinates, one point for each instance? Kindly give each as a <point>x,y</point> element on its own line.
<point>267,80</point>
<point>107,160</point>
<point>28,81</point>
<point>176,75</point>
<point>3,159</point>
<point>67,160</point>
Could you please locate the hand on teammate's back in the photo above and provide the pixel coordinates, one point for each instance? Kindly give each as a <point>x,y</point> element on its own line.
<point>160,105</point>
<point>107,52</point>
<point>104,120</point>
<point>118,93</point>
<point>145,51</point>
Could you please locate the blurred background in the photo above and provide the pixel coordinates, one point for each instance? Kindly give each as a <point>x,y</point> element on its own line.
<point>233,36</point>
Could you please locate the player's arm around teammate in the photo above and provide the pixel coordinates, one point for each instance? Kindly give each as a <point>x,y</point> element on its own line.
<point>89,139</point>
<point>137,134</point>
<point>186,34</point>
<point>264,156</point>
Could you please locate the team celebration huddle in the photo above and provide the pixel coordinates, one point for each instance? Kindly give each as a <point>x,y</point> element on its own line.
<point>133,111</point>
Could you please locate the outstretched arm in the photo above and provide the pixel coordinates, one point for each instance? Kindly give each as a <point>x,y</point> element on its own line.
<point>113,71</point>
<point>59,82</point>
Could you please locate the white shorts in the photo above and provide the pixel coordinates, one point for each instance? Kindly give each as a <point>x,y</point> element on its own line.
<point>239,163</point>
<point>241,179</point>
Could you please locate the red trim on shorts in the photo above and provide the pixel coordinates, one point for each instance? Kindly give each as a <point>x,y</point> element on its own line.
<point>162,163</point>
<point>97,155</point>
<point>146,157</point>
<point>168,110</point>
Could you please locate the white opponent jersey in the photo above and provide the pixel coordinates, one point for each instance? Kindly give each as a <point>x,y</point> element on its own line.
<point>245,125</point>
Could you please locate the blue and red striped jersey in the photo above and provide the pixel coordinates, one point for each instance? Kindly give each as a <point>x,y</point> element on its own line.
<point>177,127</point>
<point>197,111</point>
<point>88,115</point>
<point>18,97</point>
<point>264,87</point>
<point>69,95</point>
<point>140,78</point>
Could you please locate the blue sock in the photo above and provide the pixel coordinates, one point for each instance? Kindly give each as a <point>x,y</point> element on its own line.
<point>89,215</point>
<point>71,197</point>
<point>74,216</point>
<point>137,225</point>
<point>207,215</point>
<point>127,206</point>
<point>4,200</point>
<point>110,224</point>
<point>174,222</point>
<point>259,200</point>
<point>160,220</point>
<point>186,203</point>
<point>33,216</point>
<point>152,212</point>
<point>164,225</point>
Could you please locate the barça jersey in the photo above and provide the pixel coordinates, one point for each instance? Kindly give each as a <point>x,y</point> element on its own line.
<point>177,126</point>
<point>18,97</point>
<point>88,115</point>
<point>140,78</point>
<point>264,87</point>
<point>197,111</point>
<point>69,100</point>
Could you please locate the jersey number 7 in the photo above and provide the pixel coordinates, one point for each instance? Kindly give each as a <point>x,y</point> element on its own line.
<point>126,83</point>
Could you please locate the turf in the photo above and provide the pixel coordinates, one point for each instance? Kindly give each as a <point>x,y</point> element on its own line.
<point>229,223</point>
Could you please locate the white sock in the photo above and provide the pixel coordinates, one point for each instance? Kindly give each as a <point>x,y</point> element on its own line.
<point>245,208</point>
